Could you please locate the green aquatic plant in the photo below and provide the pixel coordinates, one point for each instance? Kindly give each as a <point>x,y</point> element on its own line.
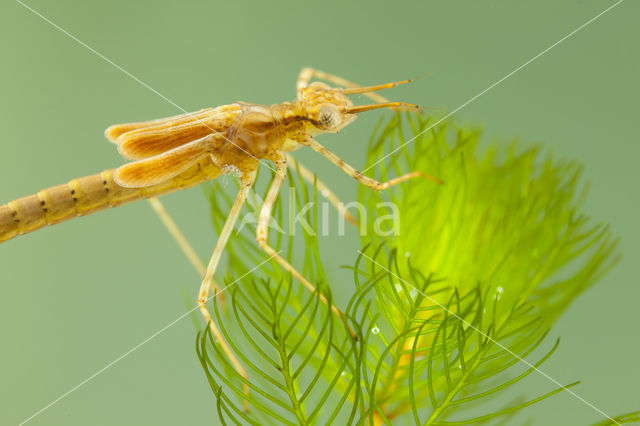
<point>446,313</point>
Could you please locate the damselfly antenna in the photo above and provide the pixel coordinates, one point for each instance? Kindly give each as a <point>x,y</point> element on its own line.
<point>356,90</point>
<point>361,108</point>
<point>392,105</point>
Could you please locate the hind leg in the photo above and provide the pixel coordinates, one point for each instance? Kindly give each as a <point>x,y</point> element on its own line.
<point>178,236</point>
<point>204,294</point>
<point>262,235</point>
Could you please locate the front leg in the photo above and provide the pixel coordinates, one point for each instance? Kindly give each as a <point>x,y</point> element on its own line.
<point>365,180</point>
<point>309,73</point>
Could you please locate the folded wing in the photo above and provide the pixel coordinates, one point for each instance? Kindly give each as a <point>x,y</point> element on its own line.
<point>150,138</point>
<point>160,168</point>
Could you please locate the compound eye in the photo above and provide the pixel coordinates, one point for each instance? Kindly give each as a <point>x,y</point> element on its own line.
<point>328,117</point>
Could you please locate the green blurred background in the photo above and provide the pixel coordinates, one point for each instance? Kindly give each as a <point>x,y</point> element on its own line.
<point>76,296</point>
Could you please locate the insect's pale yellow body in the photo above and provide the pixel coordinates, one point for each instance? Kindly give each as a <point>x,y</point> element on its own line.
<point>182,151</point>
<point>173,153</point>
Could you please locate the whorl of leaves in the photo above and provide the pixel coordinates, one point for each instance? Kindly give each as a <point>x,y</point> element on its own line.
<point>448,315</point>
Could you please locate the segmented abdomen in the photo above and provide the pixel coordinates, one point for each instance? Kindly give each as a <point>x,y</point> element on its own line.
<point>86,195</point>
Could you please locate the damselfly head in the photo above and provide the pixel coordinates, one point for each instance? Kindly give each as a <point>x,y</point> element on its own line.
<point>329,109</point>
<point>326,107</point>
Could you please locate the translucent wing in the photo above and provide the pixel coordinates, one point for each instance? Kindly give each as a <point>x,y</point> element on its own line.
<point>160,168</point>
<point>147,139</point>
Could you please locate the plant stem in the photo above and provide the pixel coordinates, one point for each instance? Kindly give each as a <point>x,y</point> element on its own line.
<point>290,383</point>
<point>437,412</point>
